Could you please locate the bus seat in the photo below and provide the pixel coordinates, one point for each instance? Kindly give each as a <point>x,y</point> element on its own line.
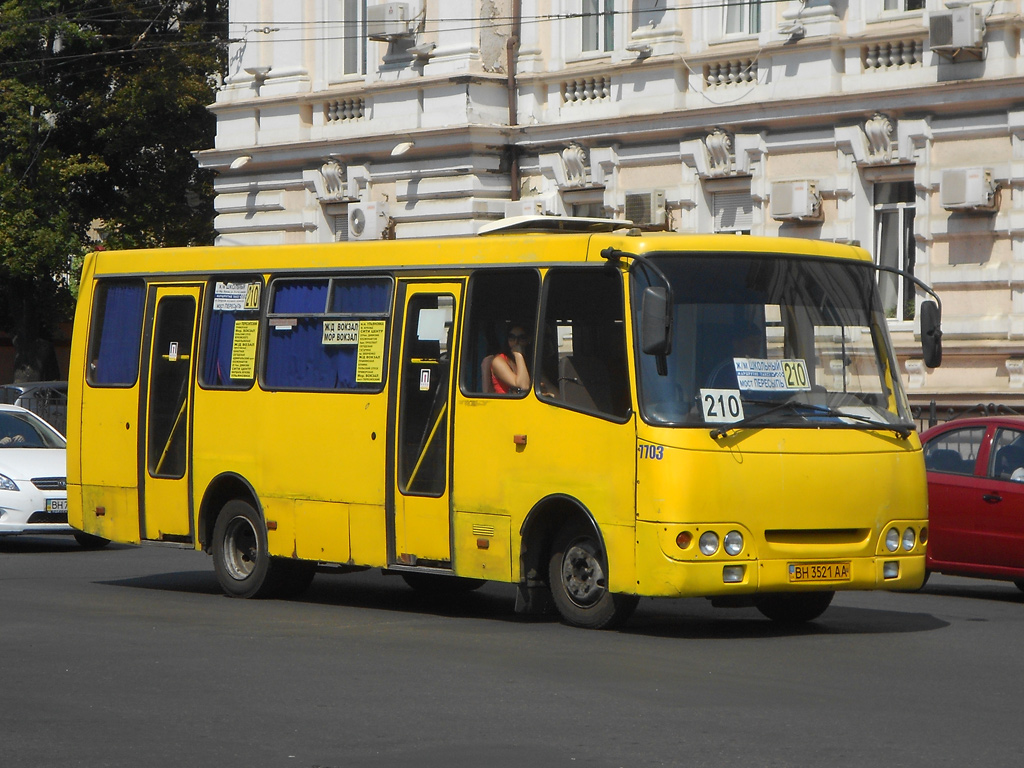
<point>583,382</point>
<point>947,460</point>
<point>486,384</point>
<point>1009,459</point>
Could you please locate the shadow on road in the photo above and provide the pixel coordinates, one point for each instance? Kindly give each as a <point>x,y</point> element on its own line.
<point>41,545</point>
<point>974,589</point>
<point>687,619</point>
<point>692,618</point>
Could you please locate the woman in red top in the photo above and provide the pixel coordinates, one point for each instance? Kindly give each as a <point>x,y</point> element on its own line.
<point>508,368</point>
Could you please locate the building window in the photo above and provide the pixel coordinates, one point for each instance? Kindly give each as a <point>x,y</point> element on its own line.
<point>598,25</point>
<point>743,17</point>
<point>347,36</point>
<point>903,5</point>
<point>584,202</point>
<point>734,212</point>
<point>894,246</point>
<point>647,13</point>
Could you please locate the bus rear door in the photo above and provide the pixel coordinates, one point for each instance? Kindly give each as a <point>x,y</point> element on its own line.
<point>166,411</point>
<point>419,521</point>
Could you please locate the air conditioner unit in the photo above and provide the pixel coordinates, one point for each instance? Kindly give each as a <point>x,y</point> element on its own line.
<point>367,221</point>
<point>795,201</point>
<point>527,206</point>
<point>960,31</point>
<point>388,21</point>
<point>646,208</point>
<point>967,188</point>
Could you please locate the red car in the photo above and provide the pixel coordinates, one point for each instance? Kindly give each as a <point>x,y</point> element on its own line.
<point>976,497</point>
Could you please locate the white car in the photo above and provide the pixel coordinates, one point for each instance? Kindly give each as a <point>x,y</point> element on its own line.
<point>33,477</point>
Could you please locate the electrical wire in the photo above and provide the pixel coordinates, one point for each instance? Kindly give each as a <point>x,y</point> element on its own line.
<point>303,31</point>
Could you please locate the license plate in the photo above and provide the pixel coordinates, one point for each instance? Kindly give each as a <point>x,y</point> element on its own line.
<point>57,505</point>
<point>819,571</point>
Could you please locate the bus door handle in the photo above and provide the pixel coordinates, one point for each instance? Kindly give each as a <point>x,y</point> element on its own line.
<point>992,498</point>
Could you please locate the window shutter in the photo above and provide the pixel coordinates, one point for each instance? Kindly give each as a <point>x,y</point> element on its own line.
<point>734,211</point>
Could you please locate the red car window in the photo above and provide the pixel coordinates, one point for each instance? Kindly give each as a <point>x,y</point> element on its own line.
<point>954,452</point>
<point>1007,460</point>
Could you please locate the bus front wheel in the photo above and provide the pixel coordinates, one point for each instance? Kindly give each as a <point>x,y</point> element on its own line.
<point>578,576</point>
<point>243,563</point>
<point>794,607</point>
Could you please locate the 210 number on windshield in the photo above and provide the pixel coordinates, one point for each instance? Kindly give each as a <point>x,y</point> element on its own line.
<point>721,406</point>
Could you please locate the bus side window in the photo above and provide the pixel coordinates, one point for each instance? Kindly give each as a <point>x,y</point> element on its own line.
<point>498,300</point>
<point>584,344</point>
<point>231,334</point>
<point>316,329</point>
<point>116,333</point>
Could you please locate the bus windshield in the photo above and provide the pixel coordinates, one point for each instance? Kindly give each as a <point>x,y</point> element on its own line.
<point>771,340</point>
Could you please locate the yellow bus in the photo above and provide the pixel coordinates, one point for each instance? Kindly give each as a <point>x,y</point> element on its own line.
<point>716,416</point>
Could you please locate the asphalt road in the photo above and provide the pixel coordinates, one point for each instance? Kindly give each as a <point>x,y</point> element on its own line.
<point>132,657</point>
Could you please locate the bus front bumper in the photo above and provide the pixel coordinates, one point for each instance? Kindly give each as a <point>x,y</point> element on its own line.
<point>659,575</point>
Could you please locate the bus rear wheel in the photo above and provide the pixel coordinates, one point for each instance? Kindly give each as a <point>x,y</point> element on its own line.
<point>794,607</point>
<point>578,577</point>
<point>243,563</point>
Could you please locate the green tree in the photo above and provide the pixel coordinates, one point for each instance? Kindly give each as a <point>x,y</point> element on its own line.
<point>101,104</point>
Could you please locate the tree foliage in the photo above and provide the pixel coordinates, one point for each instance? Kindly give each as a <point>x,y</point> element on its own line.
<point>101,104</point>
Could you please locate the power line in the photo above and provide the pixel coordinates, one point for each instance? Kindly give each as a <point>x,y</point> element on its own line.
<point>326,28</point>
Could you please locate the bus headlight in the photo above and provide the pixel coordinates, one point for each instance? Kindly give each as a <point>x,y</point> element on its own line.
<point>708,543</point>
<point>892,540</point>
<point>733,542</point>
<point>909,539</point>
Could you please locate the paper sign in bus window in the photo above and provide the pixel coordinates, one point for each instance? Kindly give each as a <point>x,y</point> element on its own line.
<point>370,351</point>
<point>760,375</point>
<point>236,297</point>
<point>721,406</point>
<point>243,349</point>
<point>341,332</point>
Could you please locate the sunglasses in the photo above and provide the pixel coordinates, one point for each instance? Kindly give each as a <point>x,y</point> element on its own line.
<point>518,337</point>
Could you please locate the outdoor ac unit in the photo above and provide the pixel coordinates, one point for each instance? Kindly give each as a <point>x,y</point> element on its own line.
<point>388,21</point>
<point>795,201</point>
<point>367,221</point>
<point>967,188</point>
<point>528,206</point>
<point>961,30</point>
<point>646,208</point>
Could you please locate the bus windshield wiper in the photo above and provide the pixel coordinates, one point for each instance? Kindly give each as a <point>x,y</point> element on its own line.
<point>902,430</point>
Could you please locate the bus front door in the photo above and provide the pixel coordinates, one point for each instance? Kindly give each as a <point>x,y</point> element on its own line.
<point>419,523</point>
<point>167,409</point>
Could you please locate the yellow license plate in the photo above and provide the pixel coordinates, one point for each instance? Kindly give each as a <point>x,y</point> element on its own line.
<point>819,571</point>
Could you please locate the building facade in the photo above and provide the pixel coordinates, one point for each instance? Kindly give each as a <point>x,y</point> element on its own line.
<point>895,124</point>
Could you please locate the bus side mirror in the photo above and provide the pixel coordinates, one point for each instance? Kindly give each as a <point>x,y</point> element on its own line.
<point>656,322</point>
<point>931,334</point>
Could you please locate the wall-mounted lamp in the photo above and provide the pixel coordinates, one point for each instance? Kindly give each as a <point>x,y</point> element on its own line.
<point>402,148</point>
<point>423,50</point>
<point>641,49</point>
<point>794,29</point>
<point>258,73</point>
<point>240,162</point>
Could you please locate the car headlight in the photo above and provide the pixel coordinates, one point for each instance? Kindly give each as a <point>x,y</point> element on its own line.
<point>909,539</point>
<point>6,484</point>
<point>733,542</point>
<point>892,540</point>
<point>708,542</point>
